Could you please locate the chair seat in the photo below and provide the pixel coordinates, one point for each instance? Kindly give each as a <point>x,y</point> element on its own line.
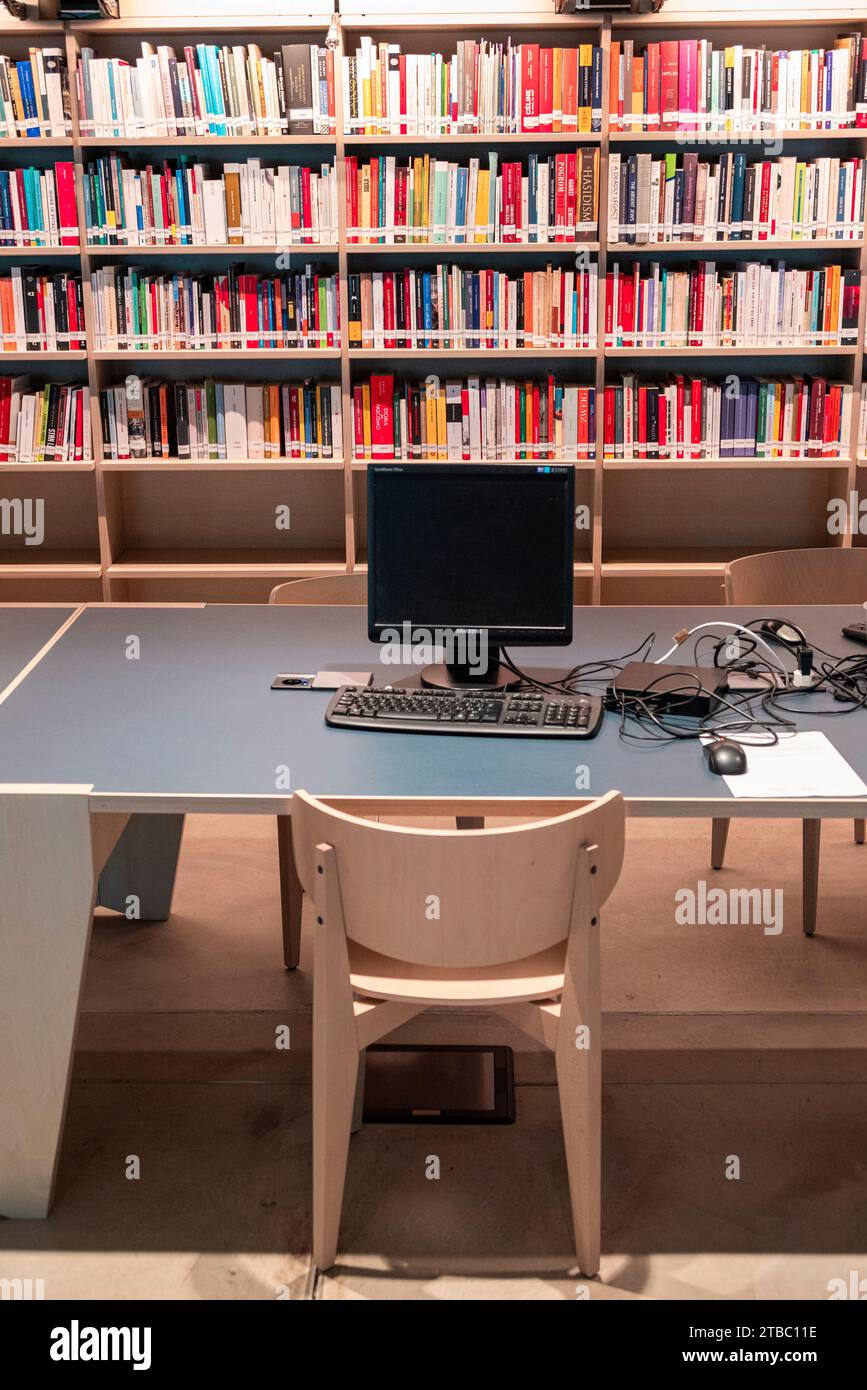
<point>539,976</point>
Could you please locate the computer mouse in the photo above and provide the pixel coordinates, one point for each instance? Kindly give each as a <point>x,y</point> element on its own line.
<point>725,758</point>
<point>776,630</point>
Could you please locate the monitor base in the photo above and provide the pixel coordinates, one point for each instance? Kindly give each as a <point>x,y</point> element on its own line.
<point>445,677</point>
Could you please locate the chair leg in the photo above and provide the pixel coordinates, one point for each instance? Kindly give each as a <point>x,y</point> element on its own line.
<point>860,831</point>
<point>291,894</point>
<point>579,1078</point>
<point>335,1076</point>
<point>812,840</point>
<point>718,837</point>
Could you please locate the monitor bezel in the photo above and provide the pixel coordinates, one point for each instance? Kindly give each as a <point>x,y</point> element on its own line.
<point>497,636</point>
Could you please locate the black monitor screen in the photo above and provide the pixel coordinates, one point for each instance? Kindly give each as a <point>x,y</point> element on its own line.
<point>464,546</point>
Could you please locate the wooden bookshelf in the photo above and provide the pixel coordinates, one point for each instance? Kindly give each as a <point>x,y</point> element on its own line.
<point>180,530</point>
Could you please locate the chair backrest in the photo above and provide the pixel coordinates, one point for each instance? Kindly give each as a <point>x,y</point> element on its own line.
<point>455,898</point>
<point>329,588</point>
<point>825,575</point>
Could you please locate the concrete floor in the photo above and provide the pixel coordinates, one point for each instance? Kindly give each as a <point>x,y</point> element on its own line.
<point>721,1044</point>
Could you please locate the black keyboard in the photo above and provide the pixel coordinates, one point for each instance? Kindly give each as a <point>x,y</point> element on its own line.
<point>518,713</point>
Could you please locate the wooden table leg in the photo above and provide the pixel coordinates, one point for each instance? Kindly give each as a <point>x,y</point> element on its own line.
<point>812,841</point>
<point>47,891</point>
<point>291,894</point>
<point>719,834</point>
<point>860,831</point>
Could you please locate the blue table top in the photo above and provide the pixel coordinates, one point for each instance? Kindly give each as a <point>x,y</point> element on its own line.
<point>23,632</point>
<point>193,713</point>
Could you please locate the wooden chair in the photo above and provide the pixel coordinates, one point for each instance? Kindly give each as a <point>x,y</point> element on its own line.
<point>781,578</point>
<point>504,918</point>
<point>330,588</point>
<point>335,589</point>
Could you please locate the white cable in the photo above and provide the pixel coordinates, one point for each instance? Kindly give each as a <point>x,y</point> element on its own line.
<point>739,627</point>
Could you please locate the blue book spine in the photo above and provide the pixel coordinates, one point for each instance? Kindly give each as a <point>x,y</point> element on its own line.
<point>183,214</point>
<point>115,121</point>
<point>217,90</point>
<point>6,223</point>
<point>739,174</point>
<point>533,197</point>
<point>427,309</point>
<point>596,91</point>
<point>841,200</point>
<point>28,98</point>
<point>461,206</point>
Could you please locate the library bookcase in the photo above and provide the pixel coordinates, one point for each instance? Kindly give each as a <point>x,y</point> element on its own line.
<point>176,531</point>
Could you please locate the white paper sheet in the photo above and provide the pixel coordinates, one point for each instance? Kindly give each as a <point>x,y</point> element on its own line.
<point>803,765</point>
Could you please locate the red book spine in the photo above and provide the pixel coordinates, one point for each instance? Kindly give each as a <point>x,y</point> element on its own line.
<point>695,424</point>
<point>329,85</point>
<point>529,86</point>
<point>662,422</point>
<point>609,308</point>
<point>668,84</point>
<point>861,95</point>
<point>5,416</point>
<point>608,440</point>
<point>652,75</point>
<point>547,453</point>
<point>403,108</point>
<point>679,413</point>
<point>546,90</point>
<point>388,309</point>
<point>465,415</point>
<point>66,208</point>
<point>306,209</point>
<point>571,194</point>
<point>382,415</point>
<point>559,197</point>
<point>79,426</point>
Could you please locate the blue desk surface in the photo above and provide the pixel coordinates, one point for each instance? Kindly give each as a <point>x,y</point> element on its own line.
<point>23,632</point>
<point>194,714</point>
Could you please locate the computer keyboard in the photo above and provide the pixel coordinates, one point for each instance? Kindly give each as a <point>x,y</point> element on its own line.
<point>428,711</point>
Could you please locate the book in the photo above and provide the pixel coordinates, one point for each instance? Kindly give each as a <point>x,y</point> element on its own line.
<point>140,309</point>
<point>41,311</point>
<point>494,419</point>
<point>177,203</point>
<point>220,420</point>
<point>547,199</point>
<point>37,206</point>
<point>688,417</point>
<point>44,424</point>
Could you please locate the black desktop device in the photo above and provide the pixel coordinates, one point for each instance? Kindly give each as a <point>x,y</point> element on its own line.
<point>480,552</point>
<point>692,691</point>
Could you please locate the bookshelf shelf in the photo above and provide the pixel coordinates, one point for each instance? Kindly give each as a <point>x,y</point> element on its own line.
<point>216,564</point>
<point>231,142</point>
<point>450,248</point>
<point>497,354</point>
<point>568,138</point>
<point>722,465</point>
<point>653,248</point>
<point>218,354</point>
<point>227,251</point>
<point>145,528</point>
<point>220,465</point>
<point>25,253</point>
<point>586,465</point>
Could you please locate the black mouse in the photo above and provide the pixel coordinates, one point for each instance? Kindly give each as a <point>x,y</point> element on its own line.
<point>725,758</point>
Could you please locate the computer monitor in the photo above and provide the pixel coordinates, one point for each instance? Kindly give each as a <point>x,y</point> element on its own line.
<point>479,553</point>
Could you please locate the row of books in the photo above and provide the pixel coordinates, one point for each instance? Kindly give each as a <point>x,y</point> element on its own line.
<point>691,417</point>
<point>424,199</point>
<point>34,96</point>
<point>210,90</point>
<point>751,305</point>
<point>473,418</point>
<point>483,88</point>
<point>44,424</point>
<point>221,420</point>
<point>147,311</point>
<point>691,84</point>
<point>679,196</point>
<point>41,312</point>
<point>452,307</point>
<point>37,206</point>
<point>179,203</point>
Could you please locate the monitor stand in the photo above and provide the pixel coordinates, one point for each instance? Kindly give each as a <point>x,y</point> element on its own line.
<point>458,676</point>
